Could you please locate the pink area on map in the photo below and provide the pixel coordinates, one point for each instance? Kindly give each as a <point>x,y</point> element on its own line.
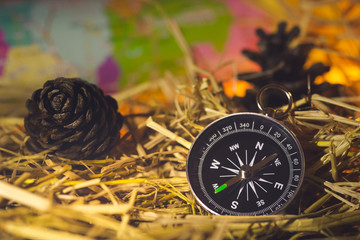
<point>108,74</point>
<point>4,48</point>
<point>246,19</point>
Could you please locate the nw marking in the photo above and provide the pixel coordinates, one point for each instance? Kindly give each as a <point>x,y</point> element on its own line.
<point>234,147</point>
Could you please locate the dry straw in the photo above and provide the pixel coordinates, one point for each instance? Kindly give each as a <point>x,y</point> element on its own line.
<point>143,193</point>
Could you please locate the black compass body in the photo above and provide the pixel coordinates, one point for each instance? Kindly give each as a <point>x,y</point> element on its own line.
<point>245,164</point>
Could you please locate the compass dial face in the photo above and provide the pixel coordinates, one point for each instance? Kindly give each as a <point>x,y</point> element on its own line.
<point>245,164</point>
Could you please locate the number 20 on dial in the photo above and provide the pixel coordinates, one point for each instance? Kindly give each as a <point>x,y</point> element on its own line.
<point>245,164</point>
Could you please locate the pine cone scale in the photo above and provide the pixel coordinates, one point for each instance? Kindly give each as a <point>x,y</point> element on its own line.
<point>75,123</point>
<point>57,102</point>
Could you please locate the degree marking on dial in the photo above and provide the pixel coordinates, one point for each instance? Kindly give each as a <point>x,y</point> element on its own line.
<point>292,153</point>
<point>283,140</point>
<point>219,132</point>
<point>296,169</point>
<point>236,171</point>
<point>233,163</point>
<point>292,185</point>
<point>269,131</point>
<point>252,127</point>
<point>240,162</point>
<point>235,126</point>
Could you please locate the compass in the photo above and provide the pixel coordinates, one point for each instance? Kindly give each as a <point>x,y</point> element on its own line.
<point>245,164</point>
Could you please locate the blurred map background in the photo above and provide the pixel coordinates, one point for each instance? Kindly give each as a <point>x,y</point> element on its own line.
<point>116,43</point>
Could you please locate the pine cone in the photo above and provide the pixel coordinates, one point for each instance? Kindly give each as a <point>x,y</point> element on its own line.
<point>281,64</point>
<point>73,116</point>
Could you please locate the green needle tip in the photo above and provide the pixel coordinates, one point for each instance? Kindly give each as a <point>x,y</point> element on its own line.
<point>219,189</point>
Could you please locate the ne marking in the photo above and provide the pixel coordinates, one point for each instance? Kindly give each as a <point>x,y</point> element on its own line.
<point>283,140</point>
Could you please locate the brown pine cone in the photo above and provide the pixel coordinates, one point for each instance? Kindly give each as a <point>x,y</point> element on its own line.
<point>281,64</point>
<point>73,116</point>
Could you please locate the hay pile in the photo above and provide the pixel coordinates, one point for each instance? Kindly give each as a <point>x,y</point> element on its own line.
<point>143,193</point>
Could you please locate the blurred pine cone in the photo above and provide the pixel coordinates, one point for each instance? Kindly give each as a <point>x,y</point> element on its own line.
<point>281,64</point>
<point>73,116</point>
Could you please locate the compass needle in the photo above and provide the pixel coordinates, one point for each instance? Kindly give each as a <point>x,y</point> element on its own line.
<point>263,162</point>
<point>222,187</point>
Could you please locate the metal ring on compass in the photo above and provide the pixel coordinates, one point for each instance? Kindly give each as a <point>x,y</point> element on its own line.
<point>275,113</point>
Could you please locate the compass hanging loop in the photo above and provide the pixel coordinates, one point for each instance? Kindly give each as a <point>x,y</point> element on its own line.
<point>269,111</point>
